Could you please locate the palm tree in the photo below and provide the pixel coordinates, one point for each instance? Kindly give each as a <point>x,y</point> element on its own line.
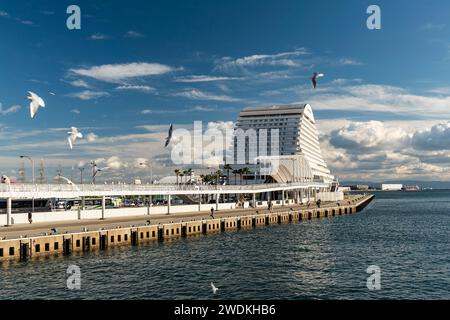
<point>246,171</point>
<point>219,174</point>
<point>188,172</point>
<point>235,172</point>
<point>228,168</point>
<point>177,173</point>
<point>181,176</point>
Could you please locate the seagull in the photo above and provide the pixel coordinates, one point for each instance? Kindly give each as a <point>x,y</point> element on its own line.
<point>214,289</point>
<point>315,77</point>
<point>35,103</point>
<point>52,93</point>
<point>5,180</point>
<point>73,135</point>
<point>67,180</point>
<point>169,137</point>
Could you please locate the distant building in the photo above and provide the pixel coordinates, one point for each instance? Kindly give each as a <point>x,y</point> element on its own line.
<point>391,187</point>
<point>362,187</point>
<point>299,151</point>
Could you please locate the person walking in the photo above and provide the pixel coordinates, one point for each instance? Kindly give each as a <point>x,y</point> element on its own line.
<point>30,217</point>
<point>212,213</point>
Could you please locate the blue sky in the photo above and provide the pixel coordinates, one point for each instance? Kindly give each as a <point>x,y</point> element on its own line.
<point>133,69</point>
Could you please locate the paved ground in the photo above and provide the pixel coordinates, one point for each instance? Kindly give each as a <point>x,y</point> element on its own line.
<point>13,232</point>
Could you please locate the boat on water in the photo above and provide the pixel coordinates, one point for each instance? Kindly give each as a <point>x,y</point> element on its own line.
<point>410,187</point>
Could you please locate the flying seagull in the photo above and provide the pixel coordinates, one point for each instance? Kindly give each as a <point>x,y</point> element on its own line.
<point>73,135</point>
<point>67,180</point>
<point>315,77</point>
<point>169,137</point>
<point>35,103</point>
<point>52,93</point>
<point>214,289</point>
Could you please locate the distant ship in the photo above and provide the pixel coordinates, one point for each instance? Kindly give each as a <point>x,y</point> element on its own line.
<point>408,187</point>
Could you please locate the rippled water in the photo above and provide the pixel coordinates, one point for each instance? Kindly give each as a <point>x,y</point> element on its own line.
<point>406,234</point>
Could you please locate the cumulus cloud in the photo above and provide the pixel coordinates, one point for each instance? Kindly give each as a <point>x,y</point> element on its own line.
<point>120,72</point>
<point>76,111</point>
<point>91,137</point>
<point>435,138</point>
<point>367,135</point>
<point>375,150</point>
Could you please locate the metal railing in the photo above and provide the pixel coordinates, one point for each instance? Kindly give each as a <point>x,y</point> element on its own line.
<point>5,188</point>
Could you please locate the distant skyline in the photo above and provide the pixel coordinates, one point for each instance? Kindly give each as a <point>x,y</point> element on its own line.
<point>383,107</point>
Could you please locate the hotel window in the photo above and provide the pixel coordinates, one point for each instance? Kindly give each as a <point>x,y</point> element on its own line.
<point>11,251</point>
<point>56,246</point>
<point>126,237</point>
<point>37,248</point>
<point>148,234</point>
<point>119,238</point>
<point>94,241</point>
<point>1,252</point>
<point>78,243</point>
<point>47,247</point>
<point>112,239</point>
<point>142,235</point>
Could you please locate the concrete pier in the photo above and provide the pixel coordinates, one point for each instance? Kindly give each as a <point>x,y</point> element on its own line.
<point>102,234</point>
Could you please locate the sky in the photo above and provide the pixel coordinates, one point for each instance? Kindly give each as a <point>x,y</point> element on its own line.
<point>382,108</point>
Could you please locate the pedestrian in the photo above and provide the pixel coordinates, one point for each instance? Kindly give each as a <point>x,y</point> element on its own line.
<point>212,213</point>
<point>30,217</point>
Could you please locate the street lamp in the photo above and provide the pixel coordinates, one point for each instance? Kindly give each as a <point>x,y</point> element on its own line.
<point>81,174</point>
<point>32,167</point>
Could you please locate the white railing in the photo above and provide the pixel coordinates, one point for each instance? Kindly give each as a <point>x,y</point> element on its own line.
<point>142,188</point>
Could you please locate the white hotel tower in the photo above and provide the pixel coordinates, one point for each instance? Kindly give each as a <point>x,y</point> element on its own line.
<point>299,155</point>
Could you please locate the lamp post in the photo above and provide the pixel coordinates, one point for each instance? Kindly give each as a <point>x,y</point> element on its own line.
<point>32,168</point>
<point>81,174</point>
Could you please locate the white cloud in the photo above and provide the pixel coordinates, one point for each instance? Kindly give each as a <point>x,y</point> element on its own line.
<point>435,138</point>
<point>120,72</point>
<point>349,62</point>
<point>99,36</point>
<point>91,137</point>
<point>76,111</point>
<point>142,88</point>
<point>79,84</point>
<point>89,95</point>
<point>133,34</point>
<point>203,78</point>
<point>196,94</point>
<point>10,110</point>
<point>285,59</point>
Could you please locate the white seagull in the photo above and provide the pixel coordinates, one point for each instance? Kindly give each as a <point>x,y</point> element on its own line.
<point>314,78</point>
<point>67,180</point>
<point>169,137</point>
<point>214,288</point>
<point>73,135</point>
<point>35,103</point>
<point>5,180</point>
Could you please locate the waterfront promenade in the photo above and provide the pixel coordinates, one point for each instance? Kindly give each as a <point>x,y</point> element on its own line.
<point>38,229</point>
<point>22,242</point>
